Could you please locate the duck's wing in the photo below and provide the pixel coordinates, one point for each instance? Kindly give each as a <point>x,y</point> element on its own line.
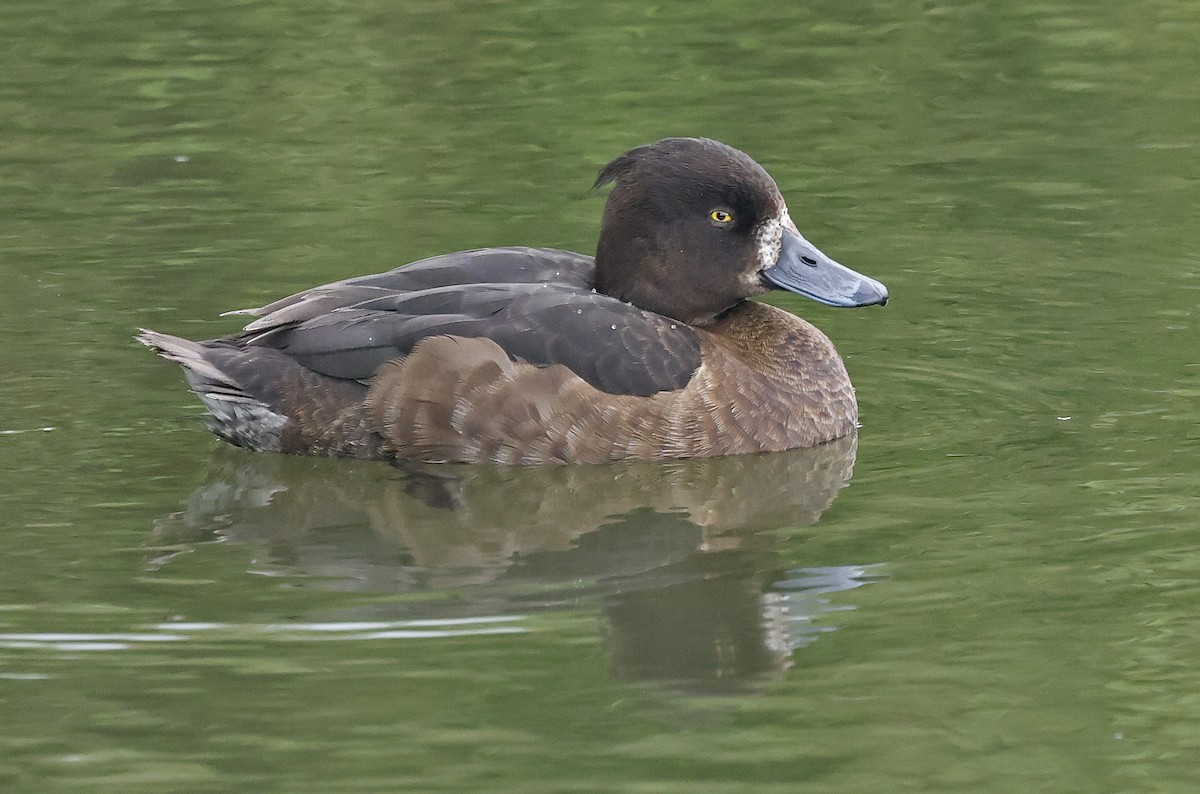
<point>514,265</point>
<point>349,330</point>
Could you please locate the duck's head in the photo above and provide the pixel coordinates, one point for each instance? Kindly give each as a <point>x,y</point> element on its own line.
<point>693,227</point>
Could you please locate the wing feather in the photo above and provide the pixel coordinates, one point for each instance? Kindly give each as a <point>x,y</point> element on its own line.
<point>537,304</point>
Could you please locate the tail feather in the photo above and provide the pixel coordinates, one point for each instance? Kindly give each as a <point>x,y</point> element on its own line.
<point>188,354</point>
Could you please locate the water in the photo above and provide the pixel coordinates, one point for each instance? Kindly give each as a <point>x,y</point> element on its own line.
<point>1002,598</point>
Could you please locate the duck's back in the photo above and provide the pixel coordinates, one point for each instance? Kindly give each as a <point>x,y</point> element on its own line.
<point>510,265</point>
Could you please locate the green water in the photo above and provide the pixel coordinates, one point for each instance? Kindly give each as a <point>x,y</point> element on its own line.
<point>1003,598</point>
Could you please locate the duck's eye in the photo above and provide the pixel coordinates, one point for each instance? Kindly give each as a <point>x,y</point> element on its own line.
<point>720,216</point>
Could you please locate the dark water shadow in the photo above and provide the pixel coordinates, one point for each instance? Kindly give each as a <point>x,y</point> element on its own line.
<point>681,556</point>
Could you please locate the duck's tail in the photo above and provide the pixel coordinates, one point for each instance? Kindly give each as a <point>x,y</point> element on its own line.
<point>235,413</point>
<point>261,398</point>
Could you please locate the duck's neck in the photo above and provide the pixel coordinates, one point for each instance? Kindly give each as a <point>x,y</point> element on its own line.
<point>633,270</point>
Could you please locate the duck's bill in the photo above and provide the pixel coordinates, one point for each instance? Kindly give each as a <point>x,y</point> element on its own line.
<point>804,270</point>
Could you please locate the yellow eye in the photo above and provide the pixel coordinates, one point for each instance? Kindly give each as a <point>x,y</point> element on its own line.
<point>720,216</point>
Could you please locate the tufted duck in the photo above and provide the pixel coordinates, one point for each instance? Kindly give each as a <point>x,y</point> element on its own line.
<point>651,349</point>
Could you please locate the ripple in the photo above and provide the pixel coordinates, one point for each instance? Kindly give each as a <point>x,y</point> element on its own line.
<point>283,632</point>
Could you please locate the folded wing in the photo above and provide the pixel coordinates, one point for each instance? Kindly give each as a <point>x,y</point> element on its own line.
<point>537,304</point>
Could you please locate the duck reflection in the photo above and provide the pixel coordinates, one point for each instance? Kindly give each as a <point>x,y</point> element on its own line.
<point>680,555</point>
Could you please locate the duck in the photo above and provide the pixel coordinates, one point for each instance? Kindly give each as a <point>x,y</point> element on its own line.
<point>652,349</point>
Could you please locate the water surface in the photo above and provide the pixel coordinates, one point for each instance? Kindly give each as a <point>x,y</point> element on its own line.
<point>993,588</point>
